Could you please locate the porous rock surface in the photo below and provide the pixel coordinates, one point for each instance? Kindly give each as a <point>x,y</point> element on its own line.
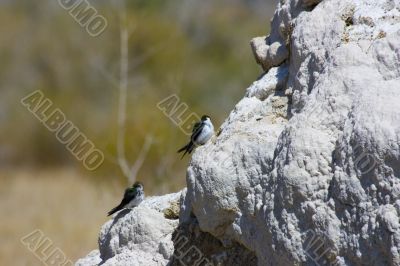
<point>138,236</point>
<point>305,170</point>
<point>327,170</point>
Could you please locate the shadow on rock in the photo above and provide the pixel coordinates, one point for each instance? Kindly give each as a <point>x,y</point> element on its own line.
<point>194,247</point>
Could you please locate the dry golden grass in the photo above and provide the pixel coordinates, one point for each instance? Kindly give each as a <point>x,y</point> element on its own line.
<point>66,206</point>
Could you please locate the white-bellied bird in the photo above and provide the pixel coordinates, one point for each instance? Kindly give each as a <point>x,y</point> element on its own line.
<point>133,197</point>
<point>201,133</point>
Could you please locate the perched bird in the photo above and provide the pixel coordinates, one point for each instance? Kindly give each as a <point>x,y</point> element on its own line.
<point>133,197</point>
<point>201,133</point>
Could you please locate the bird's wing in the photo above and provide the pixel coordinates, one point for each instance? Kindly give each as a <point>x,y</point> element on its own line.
<point>129,194</point>
<point>197,130</point>
<point>196,127</point>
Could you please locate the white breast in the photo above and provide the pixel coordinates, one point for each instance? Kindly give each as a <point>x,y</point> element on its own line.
<point>206,133</point>
<point>137,200</point>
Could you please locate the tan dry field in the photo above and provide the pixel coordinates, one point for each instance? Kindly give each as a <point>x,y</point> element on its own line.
<point>68,208</point>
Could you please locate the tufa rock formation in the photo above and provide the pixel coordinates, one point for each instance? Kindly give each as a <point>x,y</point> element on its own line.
<point>141,236</point>
<point>306,168</point>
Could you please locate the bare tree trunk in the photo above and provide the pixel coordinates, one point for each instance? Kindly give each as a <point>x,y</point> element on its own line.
<point>129,172</point>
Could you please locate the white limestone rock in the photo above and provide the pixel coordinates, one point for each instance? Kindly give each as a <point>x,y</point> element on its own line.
<point>138,236</point>
<point>93,258</point>
<point>269,54</point>
<point>275,79</point>
<point>330,167</point>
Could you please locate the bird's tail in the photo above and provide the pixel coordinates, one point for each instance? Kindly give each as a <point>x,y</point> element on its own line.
<point>188,148</point>
<point>114,210</point>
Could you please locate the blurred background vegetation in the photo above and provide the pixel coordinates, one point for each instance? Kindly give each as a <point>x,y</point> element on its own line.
<point>198,50</point>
